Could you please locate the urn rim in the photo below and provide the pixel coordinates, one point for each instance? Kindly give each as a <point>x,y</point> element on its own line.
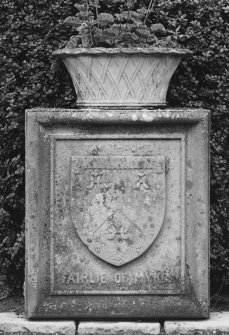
<point>120,51</point>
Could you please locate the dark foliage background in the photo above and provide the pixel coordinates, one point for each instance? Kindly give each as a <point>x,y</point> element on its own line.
<point>30,77</point>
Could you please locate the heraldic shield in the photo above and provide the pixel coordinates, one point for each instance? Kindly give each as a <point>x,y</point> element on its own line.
<point>117,204</point>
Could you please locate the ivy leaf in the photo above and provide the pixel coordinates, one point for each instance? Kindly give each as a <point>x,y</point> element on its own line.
<point>86,15</point>
<point>107,40</point>
<point>73,21</point>
<point>108,35</point>
<point>158,28</point>
<point>143,32</point>
<point>109,32</point>
<point>116,1</point>
<point>130,3</point>
<point>83,28</point>
<point>171,32</point>
<point>152,39</point>
<point>86,41</point>
<point>131,38</point>
<point>96,31</point>
<point>116,28</point>
<point>82,7</point>
<point>94,3</point>
<point>142,11</point>
<point>135,17</point>
<point>104,19</point>
<point>73,42</point>
<point>125,15</point>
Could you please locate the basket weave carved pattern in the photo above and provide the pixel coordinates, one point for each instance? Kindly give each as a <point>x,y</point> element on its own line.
<point>121,79</point>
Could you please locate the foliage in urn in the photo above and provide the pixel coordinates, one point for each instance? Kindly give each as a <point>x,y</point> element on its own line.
<point>119,23</point>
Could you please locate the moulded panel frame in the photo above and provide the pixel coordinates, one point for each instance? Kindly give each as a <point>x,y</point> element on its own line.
<point>115,137</point>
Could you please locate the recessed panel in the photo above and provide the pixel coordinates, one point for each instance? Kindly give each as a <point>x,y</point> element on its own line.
<point>117,220</point>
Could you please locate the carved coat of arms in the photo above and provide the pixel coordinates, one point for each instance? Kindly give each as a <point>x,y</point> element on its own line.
<point>117,204</point>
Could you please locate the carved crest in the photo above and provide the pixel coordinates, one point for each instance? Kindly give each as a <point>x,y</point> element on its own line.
<point>117,204</point>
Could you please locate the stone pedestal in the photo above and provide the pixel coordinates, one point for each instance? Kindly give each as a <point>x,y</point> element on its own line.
<point>117,214</point>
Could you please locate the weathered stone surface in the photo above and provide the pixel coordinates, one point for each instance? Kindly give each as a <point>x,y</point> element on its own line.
<point>118,328</point>
<point>117,213</point>
<point>218,322</point>
<point>8,315</point>
<point>108,226</point>
<point>10,323</point>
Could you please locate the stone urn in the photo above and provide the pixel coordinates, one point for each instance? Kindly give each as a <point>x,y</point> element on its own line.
<point>127,77</point>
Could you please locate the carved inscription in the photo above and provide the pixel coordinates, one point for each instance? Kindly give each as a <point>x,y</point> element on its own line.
<point>103,278</point>
<point>122,279</point>
<point>117,204</point>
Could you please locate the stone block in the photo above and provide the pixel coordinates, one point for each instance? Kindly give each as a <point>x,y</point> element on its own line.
<point>11,324</point>
<point>118,328</point>
<point>8,315</point>
<point>217,323</point>
<point>117,207</point>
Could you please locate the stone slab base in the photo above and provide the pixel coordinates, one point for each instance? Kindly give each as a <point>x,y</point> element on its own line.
<point>11,324</point>
<point>218,323</point>
<point>118,328</point>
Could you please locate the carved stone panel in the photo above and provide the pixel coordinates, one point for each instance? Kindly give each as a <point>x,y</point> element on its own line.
<point>117,204</point>
<point>117,222</point>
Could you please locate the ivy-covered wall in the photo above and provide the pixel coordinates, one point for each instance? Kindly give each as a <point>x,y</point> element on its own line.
<point>30,77</point>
